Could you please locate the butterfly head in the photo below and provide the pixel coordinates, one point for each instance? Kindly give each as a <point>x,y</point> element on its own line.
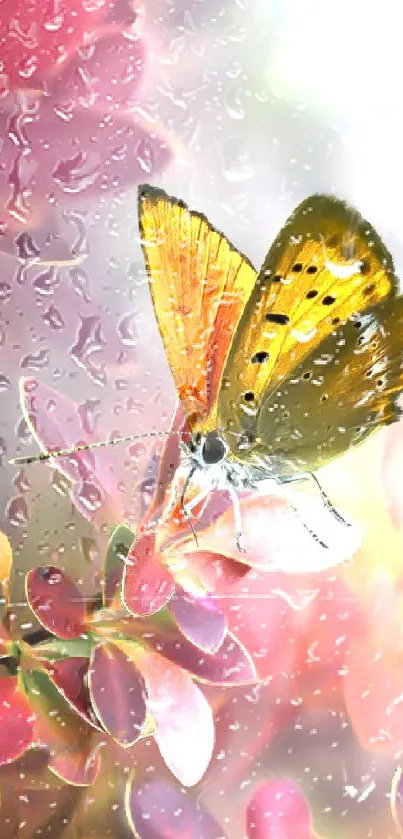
<point>208,449</point>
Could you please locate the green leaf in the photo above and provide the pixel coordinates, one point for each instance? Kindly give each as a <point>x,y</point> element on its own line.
<point>55,648</point>
<point>121,539</point>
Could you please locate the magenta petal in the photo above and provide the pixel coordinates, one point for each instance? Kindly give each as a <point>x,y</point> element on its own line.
<point>158,811</point>
<point>278,809</point>
<point>230,665</point>
<point>56,601</point>
<point>69,675</point>
<point>118,693</point>
<point>199,619</point>
<point>147,584</point>
<point>16,721</point>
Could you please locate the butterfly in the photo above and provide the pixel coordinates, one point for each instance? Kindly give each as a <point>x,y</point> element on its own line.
<point>279,370</point>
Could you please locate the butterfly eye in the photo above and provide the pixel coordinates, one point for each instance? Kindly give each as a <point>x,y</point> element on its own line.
<point>214,449</point>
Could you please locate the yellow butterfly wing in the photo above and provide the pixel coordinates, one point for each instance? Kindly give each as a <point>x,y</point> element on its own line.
<point>343,390</point>
<point>199,284</point>
<point>296,341</point>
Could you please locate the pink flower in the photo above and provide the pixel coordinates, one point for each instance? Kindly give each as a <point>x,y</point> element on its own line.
<point>96,671</point>
<point>276,810</point>
<point>69,108</point>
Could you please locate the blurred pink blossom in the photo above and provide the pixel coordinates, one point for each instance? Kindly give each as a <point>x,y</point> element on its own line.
<point>69,111</point>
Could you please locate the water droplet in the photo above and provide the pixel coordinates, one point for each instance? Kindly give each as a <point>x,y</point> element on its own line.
<point>233,103</point>
<point>127,330</point>
<point>36,361</point>
<point>53,318</point>
<point>46,282</point>
<point>54,22</point>
<point>236,166</point>
<point>89,342</point>
<point>3,449</point>
<point>26,248</point>
<point>121,384</point>
<point>60,483</point>
<point>23,431</point>
<point>5,383</point>
<point>80,283</point>
<point>21,482</point>
<point>89,549</point>
<point>90,496</point>
<point>49,575</point>
<point>145,155</point>
<point>17,511</point>
<point>76,174</point>
<point>88,415</point>
<point>5,292</point>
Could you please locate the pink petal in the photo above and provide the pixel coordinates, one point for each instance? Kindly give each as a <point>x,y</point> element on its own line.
<point>335,618</point>
<point>168,464</point>
<point>78,765</point>
<point>106,75</point>
<point>264,611</point>
<point>183,718</point>
<point>57,423</point>
<point>373,688</point>
<point>48,34</point>
<point>147,584</point>
<point>118,693</point>
<point>16,721</point>
<point>200,620</point>
<point>158,811</point>
<point>229,665</point>
<point>69,675</point>
<point>75,154</point>
<point>275,538</point>
<point>56,601</point>
<point>278,810</point>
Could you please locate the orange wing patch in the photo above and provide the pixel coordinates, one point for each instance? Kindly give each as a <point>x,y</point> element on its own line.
<point>199,284</point>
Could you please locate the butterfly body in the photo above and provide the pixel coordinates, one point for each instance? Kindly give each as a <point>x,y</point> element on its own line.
<point>281,370</point>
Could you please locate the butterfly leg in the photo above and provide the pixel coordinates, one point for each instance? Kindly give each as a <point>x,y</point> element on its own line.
<point>327,502</point>
<point>294,509</point>
<point>304,476</point>
<point>237,516</point>
<point>174,493</point>
<point>186,512</point>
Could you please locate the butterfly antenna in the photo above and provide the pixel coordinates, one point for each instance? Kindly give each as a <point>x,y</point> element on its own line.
<point>35,458</point>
